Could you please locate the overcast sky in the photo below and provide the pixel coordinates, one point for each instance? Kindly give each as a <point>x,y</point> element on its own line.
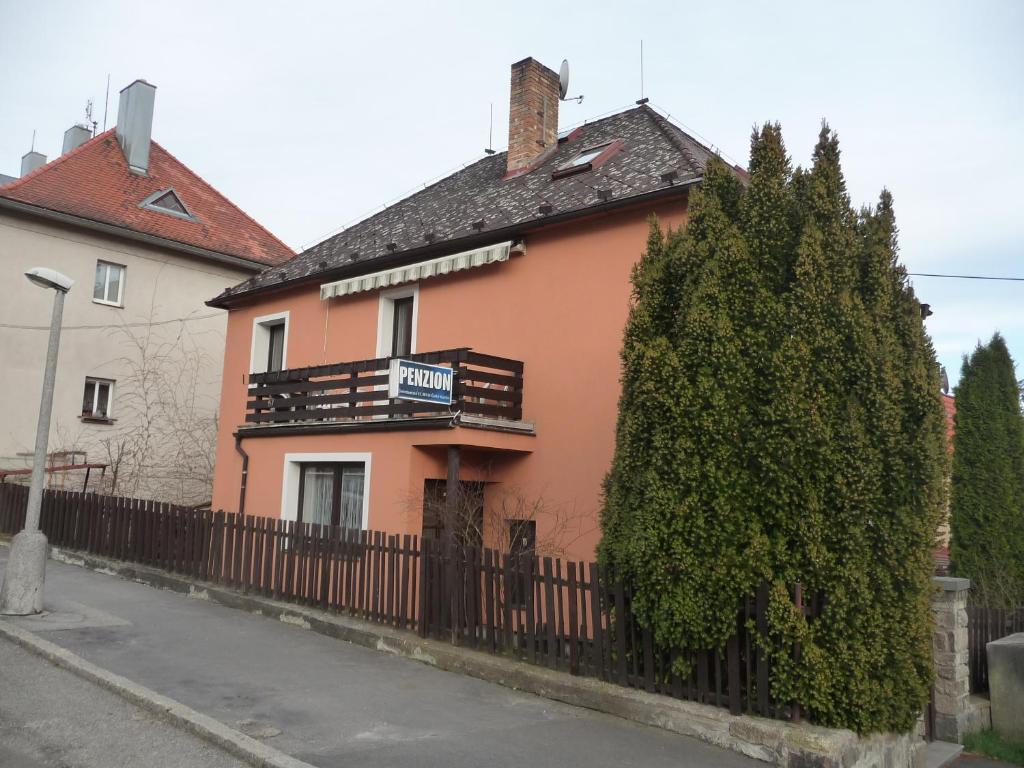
<point>311,115</point>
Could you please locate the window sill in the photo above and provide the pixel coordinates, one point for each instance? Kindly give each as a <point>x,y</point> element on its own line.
<point>96,419</point>
<point>108,303</point>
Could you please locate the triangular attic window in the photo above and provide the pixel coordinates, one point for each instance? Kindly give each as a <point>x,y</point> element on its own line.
<point>169,202</point>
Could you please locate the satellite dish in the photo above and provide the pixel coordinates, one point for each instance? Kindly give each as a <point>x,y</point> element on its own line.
<point>563,79</point>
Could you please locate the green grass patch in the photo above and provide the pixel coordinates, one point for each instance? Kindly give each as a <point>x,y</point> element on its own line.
<point>995,746</point>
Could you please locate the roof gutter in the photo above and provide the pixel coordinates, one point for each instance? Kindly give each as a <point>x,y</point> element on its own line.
<point>129,234</point>
<point>407,257</point>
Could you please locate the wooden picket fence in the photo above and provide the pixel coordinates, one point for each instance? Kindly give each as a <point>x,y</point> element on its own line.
<point>569,616</point>
<point>983,626</point>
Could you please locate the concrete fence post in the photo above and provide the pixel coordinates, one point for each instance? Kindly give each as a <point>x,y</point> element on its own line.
<point>949,649</point>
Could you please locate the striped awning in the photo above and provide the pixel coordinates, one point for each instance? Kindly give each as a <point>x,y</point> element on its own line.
<point>421,270</point>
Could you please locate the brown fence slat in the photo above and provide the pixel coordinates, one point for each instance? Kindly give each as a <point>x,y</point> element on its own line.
<point>597,646</point>
<point>761,610</point>
<point>576,616</point>
<point>574,651</point>
<point>548,607</point>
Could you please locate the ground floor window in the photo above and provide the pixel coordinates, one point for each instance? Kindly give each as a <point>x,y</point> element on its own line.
<point>97,398</point>
<point>331,493</point>
<point>327,489</point>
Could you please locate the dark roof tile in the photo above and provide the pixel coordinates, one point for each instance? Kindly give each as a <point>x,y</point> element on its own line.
<point>452,208</point>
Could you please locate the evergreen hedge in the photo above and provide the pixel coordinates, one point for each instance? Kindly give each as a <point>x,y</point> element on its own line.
<point>987,507</point>
<point>780,421</point>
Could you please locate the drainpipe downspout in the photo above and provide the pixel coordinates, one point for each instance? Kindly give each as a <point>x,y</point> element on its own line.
<point>245,475</point>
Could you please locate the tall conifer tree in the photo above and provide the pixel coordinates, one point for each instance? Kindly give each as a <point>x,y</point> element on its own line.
<point>780,422</point>
<point>987,510</point>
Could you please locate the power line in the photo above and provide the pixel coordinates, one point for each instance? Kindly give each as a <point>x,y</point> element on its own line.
<point>967,277</point>
<point>108,327</point>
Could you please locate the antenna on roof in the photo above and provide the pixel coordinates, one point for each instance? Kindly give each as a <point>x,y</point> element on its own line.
<point>563,84</point>
<point>88,115</point>
<point>490,134</point>
<point>643,99</point>
<point>106,103</point>
<point>33,140</point>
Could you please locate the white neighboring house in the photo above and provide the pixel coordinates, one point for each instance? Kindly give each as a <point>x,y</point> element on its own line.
<point>146,241</point>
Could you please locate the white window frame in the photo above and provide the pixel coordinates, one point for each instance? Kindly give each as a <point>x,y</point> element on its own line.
<point>261,341</point>
<point>291,478</point>
<point>386,316</point>
<point>106,284</point>
<point>111,383</point>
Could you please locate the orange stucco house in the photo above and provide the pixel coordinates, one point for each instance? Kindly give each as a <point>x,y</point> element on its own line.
<point>515,273</point>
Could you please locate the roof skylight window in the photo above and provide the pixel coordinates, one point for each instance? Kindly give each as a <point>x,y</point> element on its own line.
<point>588,159</point>
<point>167,201</point>
<point>585,157</point>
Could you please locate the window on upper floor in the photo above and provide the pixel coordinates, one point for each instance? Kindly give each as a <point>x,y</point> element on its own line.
<point>396,321</point>
<point>275,348</point>
<point>269,343</point>
<point>401,333</point>
<point>108,288</point>
<point>97,399</point>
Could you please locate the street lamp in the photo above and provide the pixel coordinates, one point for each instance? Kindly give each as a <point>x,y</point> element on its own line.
<point>22,591</point>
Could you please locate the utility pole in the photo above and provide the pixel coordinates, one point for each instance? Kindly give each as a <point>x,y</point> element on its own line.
<point>22,591</point>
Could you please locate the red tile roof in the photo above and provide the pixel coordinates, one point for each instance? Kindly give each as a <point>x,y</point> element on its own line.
<point>93,182</point>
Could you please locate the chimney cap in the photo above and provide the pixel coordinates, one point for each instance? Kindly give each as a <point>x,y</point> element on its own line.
<point>140,81</point>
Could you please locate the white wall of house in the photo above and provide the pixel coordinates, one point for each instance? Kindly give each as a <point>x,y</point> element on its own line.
<point>163,349</point>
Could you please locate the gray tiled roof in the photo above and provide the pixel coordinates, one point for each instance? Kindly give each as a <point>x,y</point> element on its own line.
<point>448,212</point>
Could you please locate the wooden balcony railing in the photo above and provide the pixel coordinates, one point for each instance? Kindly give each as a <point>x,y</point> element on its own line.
<point>484,385</point>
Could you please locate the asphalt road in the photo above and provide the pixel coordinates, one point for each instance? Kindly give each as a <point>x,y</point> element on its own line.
<point>50,718</point>
<point>331,703</point>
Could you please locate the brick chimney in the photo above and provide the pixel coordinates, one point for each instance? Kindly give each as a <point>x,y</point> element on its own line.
<point>532,114</point>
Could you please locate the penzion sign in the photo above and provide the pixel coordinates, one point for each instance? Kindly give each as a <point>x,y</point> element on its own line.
<point>420,382</point>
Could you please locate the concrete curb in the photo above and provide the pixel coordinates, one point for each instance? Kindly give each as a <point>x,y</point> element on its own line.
<point>207,728</point>
<point>772,741</point>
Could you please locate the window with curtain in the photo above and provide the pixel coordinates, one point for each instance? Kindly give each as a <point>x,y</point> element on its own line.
<point>401,332</point>
<point>275,347</point>
<point>331,494</point>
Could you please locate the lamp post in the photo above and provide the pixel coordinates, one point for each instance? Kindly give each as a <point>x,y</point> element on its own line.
<point>22,591</point>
